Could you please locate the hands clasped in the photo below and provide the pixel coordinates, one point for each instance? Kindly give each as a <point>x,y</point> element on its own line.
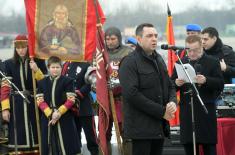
<point>170,111</point>
<point>55,117</point>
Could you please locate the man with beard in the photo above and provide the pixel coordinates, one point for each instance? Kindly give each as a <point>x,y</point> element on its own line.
<point>214,46</point>
<point>59,35</point>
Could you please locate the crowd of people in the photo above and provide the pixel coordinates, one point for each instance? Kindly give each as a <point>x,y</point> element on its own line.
<point>145,100</point>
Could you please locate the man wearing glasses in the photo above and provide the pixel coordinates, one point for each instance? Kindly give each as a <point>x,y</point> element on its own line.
<point>209,81</point>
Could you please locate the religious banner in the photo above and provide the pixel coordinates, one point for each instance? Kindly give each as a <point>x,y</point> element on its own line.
<point>62,28</point>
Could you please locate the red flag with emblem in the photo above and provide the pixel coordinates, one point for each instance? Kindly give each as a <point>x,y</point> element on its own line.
<point>102,73</point>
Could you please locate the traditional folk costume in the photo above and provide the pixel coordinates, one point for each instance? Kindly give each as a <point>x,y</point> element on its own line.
<point>3,125</point>
<point>19,73</point>
<point>58,94</point>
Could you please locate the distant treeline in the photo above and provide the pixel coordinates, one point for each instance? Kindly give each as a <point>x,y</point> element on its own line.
<point>13,24</point>
<point>125,18</point>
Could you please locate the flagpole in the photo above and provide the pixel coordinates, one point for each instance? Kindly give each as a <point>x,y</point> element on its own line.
<point>115,121</point>
<point>36,111</point>
<point>113,110</point>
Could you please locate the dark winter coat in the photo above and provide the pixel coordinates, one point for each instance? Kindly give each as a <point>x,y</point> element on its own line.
<point>21,75</point>
<point>61,138</point>
<point>205,124</point>
<point>147,88</point>
<point>221,51</point>
<point>77,71</point>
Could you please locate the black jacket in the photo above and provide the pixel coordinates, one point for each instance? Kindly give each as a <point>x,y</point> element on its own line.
<point>77,71</point>
<point>146,90</point>
<point>205,124</point>
<point>221,51</point>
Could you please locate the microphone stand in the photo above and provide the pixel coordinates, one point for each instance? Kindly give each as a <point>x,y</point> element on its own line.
<point>15,87</point>
<point>12,94</point>
<point>191,91</point>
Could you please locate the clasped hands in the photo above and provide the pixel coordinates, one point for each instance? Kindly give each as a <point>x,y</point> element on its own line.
<point>170,111</point>
<point>55,117</point>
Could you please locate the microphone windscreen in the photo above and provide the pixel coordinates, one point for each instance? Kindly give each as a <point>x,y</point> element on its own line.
<point>164,46</point>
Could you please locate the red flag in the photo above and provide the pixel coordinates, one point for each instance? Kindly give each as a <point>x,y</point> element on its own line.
<point>94,8</point>
<point>102,90</point>
<point>102,73</point>
<point>30,6</point>
<point>172,58</point>
<point>76,43</point>
<point>171,41</point>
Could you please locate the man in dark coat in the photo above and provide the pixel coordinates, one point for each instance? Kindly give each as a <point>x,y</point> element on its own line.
<point>209,82</point>
<point>148,94</point>
<point>214,46</point>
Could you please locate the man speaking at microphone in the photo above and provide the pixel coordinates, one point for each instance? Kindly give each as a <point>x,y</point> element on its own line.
<point>209,81</point>
<point>148,94</point>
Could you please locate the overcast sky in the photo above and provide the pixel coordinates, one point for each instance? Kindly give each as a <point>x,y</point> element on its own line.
<point>175,5</point>
<point>109,6</point>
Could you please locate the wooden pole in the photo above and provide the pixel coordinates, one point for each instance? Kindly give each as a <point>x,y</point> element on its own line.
<point>113,109</point>
<point>115,121</point>
<point>36,112</point>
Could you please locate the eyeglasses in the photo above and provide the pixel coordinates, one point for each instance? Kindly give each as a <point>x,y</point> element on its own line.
<point>194,50</point>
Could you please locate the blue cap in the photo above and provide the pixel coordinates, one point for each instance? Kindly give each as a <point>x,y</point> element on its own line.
<point>193,27</point>
<point>131,40</point>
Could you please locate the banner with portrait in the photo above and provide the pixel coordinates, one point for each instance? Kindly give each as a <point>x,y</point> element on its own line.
<point>62,28</point>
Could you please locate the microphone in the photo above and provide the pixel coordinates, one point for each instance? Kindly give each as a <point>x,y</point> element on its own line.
<point>172,47</point>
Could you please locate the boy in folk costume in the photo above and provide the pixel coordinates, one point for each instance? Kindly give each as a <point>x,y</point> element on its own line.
<point>55,98</point>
